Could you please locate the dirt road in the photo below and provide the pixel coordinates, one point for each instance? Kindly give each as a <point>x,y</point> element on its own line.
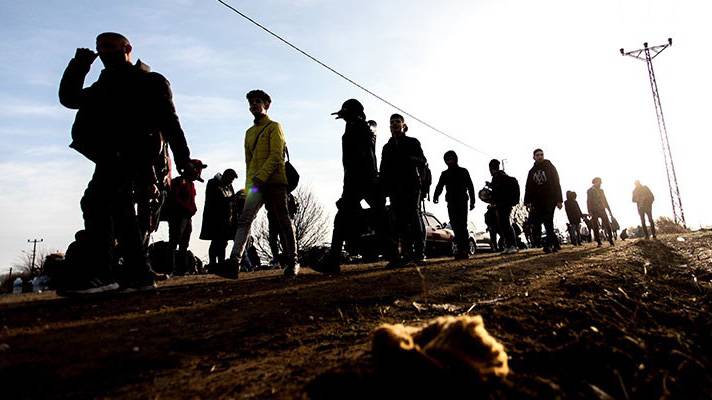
<point>630,321</point>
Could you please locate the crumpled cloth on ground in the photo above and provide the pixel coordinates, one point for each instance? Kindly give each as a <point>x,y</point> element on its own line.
<point>457,346</point>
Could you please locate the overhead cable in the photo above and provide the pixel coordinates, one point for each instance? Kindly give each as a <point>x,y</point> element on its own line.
<point>349,79</point>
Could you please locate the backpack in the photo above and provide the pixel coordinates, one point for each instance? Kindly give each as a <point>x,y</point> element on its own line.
<point>426,180</point>
<point>510,187</point>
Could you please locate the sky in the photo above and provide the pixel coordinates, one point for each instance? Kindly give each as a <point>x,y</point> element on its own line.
<point>504,76</point>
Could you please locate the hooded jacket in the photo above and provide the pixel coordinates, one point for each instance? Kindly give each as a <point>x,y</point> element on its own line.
<point>573,211</point>
<point>543,187</point>
<point>123,116</point>
<point>401,159</point>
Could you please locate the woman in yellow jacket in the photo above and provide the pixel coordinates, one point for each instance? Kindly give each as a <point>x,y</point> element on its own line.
<point>266,183</point>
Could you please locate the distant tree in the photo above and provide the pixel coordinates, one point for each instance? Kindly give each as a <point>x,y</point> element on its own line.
<point>311,224</point>
<point>667,225</point>
<point>23,266</point>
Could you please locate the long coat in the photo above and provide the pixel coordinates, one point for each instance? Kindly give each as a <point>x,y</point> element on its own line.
<point>218,213</point>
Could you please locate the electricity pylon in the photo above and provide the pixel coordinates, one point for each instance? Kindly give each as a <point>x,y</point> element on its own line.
<point>647,54</point>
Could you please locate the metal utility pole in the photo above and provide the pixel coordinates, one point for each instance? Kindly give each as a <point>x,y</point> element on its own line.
<point>647,54</point>
<point>34,251</point>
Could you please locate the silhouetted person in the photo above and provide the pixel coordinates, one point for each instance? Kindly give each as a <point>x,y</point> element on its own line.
<point>574,214</point>
<point>402,177</point>
<point>182,209</point>
<point>505,195</point>
<point>644,198</point>
<point>456,180</point>
<point>266,183</point>
<point>360,183</point>
<point>275,241</point>
<point>597,206</point>
<point>492,226</point>
<point>121,122</point>
<point>542,195</point>
<point>219,217</point>
<point>373,126</point>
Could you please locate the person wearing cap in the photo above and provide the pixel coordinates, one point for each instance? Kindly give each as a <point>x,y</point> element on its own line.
<point>458,183</point>
<point>597,205</point>
<point>402,166</point>
<point>218,214</point>
<point>121,122</point>
<point>183,207</point>
<point>360,183</point>
<point>265,184</point>
<point>542,195</point>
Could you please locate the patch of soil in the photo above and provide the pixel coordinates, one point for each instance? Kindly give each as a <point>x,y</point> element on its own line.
<point>630,321</point>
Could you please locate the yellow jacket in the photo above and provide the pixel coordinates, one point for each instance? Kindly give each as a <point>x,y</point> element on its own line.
<point>264,155</point>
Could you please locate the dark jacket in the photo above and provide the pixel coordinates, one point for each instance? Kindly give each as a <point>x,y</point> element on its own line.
<point>643,197</point>
<point>218,213</point>
<point>573,211</point>
<point>543,188</point>
<point>402,161</point>
<point>596,200</point>
<point>500,189</point>
<point>123,116</point>
<point>358,155</point>
<point>458,184</point>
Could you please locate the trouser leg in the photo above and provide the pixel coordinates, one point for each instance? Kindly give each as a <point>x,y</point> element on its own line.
<point>348,207</point>
<point>457,212</point>
<point>377,202</point>
<point>607,226</point>
<point>276,202</point>
<point>535,218</point>
<point>417,230</point>
<point>548,217</point>
<point>649,213</point>
<point>274,237</point>
<point>98,224</point>
<point>216,251</point>
<point>505,225</point>
<point>253,203</point>
<point>596,227</point>
<point>642,214</point>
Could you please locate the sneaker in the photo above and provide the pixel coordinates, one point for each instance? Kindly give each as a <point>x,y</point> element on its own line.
<point>547,250</point>
<point>327,265</point>
<point>394,264</point>
<point>89,287</point>
<point>291,271</point>
<point>143,283</point>
<point>227,269</point>
<point>511,250</point>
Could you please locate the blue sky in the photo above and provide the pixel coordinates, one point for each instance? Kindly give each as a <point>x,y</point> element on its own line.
<point>504,76</point>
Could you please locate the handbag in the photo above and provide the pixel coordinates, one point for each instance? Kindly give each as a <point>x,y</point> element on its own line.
<point>290,171</point>
<point>292,174</point>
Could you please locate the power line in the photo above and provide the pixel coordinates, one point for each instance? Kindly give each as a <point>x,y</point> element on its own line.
<point>349,79</point>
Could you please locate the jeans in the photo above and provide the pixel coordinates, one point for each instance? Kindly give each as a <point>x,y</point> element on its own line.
<point>504,225</point>
<point>409,226</point>
<point>274,198</point>
<point>457,212</point>
<point>543,214</point>
<point>349,210</point>
<point>108,208</point>
<point>595,215</point>
<point>649,213</point>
